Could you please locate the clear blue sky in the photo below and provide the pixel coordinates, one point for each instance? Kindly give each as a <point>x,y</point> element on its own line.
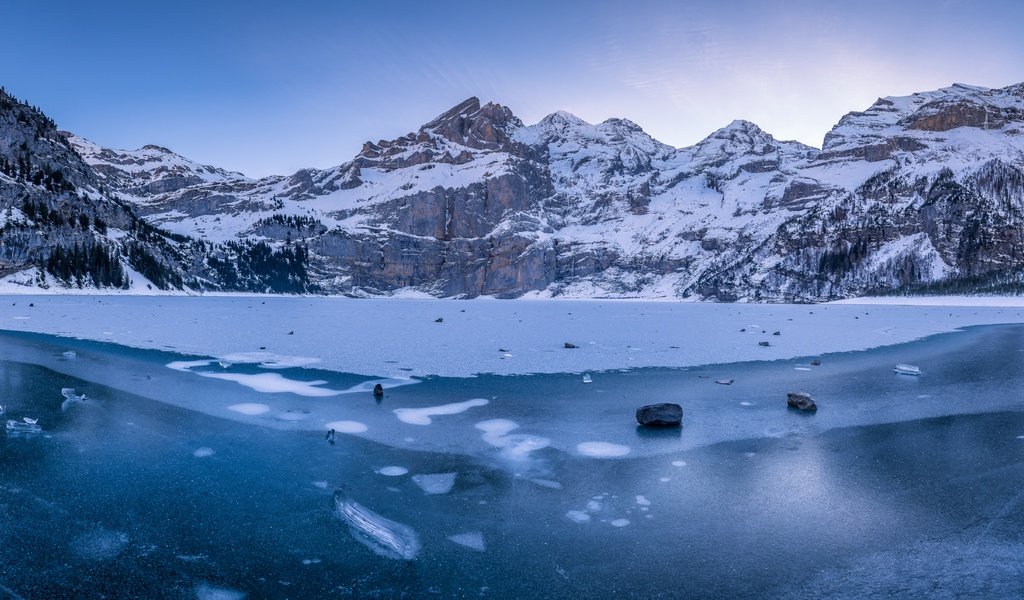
<point>269,87</point>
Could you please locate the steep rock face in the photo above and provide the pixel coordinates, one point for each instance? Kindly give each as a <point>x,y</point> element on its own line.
<point>50,203</point>
<point>914,190</point>
<point>62,226</point>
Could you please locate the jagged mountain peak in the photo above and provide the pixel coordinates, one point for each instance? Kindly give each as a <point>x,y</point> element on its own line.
<point>562,118</point>
<point>622,124</point>
<point>741,137</point>
<point>155,148</point>
<point>474,126</point>
<point>462,109</point>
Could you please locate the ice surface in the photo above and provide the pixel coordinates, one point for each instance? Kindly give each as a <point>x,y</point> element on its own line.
<point>421,416</point>
<point>385,537</point>
<point>435,483</point>
<point>347,426</point>
<point>99,544</point>
<point>473,540</point>
<point>250,408</point>
<point>602,449</point>
<point>404,331</point>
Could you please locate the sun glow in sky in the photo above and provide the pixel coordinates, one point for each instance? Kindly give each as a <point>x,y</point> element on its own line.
<point>270,87</point>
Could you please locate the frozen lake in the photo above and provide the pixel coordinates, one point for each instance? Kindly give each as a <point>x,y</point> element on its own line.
<point>192,473</point>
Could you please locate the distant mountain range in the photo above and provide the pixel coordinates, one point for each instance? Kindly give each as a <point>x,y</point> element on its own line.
<point>918,193</point>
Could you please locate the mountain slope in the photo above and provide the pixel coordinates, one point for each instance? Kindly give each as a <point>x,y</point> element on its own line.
<point>914,191</point>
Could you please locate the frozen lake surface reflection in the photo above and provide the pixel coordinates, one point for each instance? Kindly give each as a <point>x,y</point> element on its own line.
<point>171,483</point>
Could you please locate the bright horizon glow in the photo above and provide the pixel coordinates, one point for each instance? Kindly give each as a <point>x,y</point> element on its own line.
<point>267,88</point>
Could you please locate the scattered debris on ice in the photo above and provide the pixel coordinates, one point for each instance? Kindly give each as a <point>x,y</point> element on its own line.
<point>26,426</point>
<point>473,540</point>
<point>587,379</point>
<point>387,538</point>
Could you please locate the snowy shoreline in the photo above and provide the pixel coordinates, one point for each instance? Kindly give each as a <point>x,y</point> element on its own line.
<point>401,339</point>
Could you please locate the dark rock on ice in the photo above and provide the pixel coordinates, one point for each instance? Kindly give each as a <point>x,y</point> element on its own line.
<point>570,345</point>
<point>665,414</point>
<point>764,344</point>
<point>378,390</point>
<point>801,401</point>
<point>439,320</point>
<point>815,363</point>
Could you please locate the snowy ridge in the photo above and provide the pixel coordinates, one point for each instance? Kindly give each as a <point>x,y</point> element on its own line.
<point>477,203</point>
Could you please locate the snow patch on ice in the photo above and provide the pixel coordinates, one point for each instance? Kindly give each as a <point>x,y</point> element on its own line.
<point>187,365</point>
<point>435,483</point>
<point>497,433</point>
<point>393,471</point>
<point>250,408</point>
<point>206,591</point>
<point>602,449</point>
<point>203,452</point>
<point>269,360</point>
<point>347,426</point>
<point>473,540</point>
<point>421,416</point>
<point>274,383</point>
<point>619,522</point>
<point>578,516</point>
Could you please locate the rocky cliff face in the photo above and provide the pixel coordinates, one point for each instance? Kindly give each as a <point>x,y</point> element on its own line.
<point>914,191</point>
<point>62,225</point>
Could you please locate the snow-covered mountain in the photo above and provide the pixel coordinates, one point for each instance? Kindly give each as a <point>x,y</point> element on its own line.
<point>916,191</point>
